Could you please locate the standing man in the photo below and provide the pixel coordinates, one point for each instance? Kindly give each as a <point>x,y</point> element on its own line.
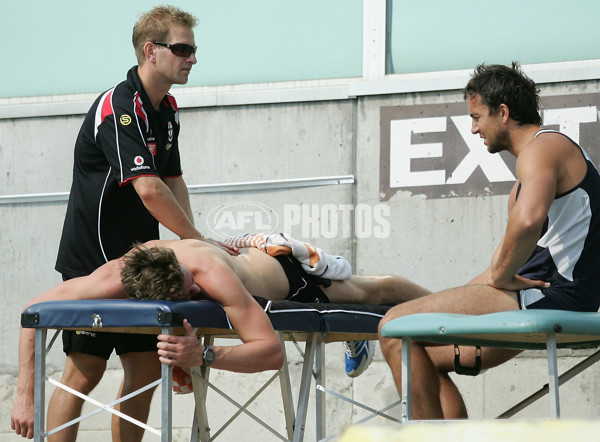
<point>127,179</point>
<point>548,257</point>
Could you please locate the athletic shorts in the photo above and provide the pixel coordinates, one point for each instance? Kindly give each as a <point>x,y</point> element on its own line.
<point>532,298</point>
<point>102,344</point>
<point>303,286</point>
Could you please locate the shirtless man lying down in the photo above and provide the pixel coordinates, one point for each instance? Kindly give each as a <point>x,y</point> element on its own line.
<point>191,269</point>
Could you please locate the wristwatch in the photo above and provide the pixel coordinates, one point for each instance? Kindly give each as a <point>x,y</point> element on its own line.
<point>208,357</point>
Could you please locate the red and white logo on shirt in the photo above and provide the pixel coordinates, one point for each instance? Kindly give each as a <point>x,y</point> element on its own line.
<point>152,148</point>
<point>138,160</point>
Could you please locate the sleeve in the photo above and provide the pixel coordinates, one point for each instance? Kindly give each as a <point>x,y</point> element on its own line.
<point>121,132</point>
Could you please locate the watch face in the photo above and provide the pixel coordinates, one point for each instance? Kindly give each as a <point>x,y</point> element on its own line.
<point>209,356</point>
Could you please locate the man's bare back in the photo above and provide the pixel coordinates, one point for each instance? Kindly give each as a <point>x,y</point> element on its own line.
<point>259,273</point>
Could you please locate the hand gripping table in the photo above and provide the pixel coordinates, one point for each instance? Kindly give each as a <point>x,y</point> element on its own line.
<point>518,330</point>
<point>315,324</point>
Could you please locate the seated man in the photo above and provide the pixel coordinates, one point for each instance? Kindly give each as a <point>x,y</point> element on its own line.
<point>196,269</point>
<point>548,257</point>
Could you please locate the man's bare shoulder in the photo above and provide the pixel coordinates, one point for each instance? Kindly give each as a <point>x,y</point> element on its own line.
<point>176,244</point>
<point>556,154</point>
<point>196,255</point>
<point>548,148</point>
<point>551,140</point>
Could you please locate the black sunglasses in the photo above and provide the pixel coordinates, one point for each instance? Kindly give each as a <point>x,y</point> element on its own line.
<point>180,49</point>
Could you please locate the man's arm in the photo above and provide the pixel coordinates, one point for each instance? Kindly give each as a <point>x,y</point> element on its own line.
<point>163,205</point>
<point>104,283</point>
<point>537,171</point>
<point>168,202</point>
<point>261,348</point>
<point>180,192</point>
<point>485,276</point>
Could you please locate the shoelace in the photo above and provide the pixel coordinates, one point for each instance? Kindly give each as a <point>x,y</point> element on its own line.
<point>350,348</point>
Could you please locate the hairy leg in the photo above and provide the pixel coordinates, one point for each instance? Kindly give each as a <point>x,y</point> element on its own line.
<point>453,405</point>
<point>442,358</point>
<point>384,289</point>
<point>434,394</point>
<point>82,372</point>
<point>139,370</point>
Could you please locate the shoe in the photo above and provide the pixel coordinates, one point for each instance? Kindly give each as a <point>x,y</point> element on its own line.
<point>359,355</point>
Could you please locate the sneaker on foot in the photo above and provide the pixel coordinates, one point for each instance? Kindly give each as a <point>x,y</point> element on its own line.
<point>359,355</point>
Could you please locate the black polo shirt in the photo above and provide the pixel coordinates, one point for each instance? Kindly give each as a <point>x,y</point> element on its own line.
<point>122,138</point>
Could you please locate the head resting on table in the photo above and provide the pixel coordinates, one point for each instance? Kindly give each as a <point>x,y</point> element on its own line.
<point>152,273</point>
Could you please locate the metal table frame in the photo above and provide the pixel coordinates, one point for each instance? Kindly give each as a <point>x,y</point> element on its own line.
<point>317,327</point>
<point>518,330</point>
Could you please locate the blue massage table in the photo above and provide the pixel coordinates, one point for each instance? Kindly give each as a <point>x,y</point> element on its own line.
<point>313,324</point>
<point>518,330</point>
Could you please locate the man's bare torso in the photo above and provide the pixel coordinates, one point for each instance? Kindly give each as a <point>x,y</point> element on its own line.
<point>260,273</point>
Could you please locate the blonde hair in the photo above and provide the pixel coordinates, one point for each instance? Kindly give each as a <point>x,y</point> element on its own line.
<point>152,273</point>
<point>155,25</point>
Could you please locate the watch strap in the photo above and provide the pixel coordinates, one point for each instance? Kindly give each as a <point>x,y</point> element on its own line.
<point>208,356</point>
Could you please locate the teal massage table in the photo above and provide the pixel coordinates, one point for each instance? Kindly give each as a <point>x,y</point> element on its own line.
<point>519,330</point>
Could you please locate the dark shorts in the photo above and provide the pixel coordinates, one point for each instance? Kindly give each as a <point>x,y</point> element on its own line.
<point>103,343</point>
<point>303,286</point>
<point>533,298</point>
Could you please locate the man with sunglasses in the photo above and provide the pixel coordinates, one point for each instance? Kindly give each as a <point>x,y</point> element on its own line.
<point>127,179</point>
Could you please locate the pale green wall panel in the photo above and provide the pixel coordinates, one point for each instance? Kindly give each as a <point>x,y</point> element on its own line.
<point>74,46</point>
<point>437,35</point>
<point>275,40</point>
<point>65,46</point>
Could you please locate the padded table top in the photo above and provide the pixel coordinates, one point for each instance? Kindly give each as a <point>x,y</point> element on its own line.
<point>521,329</point>
<point>148,315</point>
